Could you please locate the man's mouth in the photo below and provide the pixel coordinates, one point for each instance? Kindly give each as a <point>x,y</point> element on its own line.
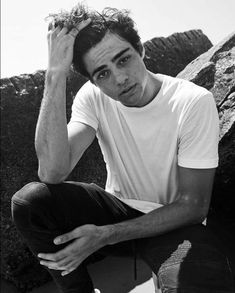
<point>128,90</point>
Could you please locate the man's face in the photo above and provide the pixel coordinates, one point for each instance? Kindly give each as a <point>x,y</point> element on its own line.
<point>118,70</point>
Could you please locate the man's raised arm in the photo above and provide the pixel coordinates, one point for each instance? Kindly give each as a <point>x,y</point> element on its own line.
<point>53,149</point>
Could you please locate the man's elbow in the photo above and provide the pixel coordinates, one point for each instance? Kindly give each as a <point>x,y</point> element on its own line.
<point>200,218</point>
<point>199,213</point>
<point>197,210</point>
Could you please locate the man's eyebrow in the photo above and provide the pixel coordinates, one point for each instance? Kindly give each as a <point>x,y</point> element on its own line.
<point>120,54</point>
<point>113,60</point>
<point>98,69</point>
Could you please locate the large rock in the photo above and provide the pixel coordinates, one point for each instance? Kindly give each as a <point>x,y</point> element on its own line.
<point>215,70</point>
<point>170,55</point>
<point>21,97</point>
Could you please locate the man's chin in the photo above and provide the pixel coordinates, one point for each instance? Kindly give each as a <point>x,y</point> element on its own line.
<point>129,104</point>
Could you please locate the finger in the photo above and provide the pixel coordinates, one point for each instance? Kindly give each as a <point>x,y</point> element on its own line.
<point>65,237</point>
<point>53,256</point>
<point>51,26</point>
<point>73,266</point>
<point>53,32</point>
<point>62,32</point>
<point>67,267</point>
<point>83,24</point>
<point>56,30</point>
<point>52,265</point>
<point>70,257</point>
<point>66,272</point>
<point>63,264</point>
<point>79,27</point>
<point>73,33</point>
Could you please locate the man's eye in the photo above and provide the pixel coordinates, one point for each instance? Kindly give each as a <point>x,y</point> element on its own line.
<point>124,60</point>
<point>103,74</point>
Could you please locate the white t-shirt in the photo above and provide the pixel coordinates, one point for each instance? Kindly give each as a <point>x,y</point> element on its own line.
<point>142,147</point>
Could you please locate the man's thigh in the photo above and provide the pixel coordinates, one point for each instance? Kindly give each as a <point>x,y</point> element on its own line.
<point>69,205</point>
<point>43,211</point>
<point>188,260</point>
<point>82,203</point>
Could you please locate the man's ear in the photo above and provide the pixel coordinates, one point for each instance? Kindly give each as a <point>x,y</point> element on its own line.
<point>141,50</point>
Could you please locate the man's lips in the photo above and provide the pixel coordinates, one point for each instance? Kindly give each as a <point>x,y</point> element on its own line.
<point>127,90</point>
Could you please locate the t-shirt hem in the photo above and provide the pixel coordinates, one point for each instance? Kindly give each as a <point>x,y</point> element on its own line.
<point>205,164</point>
<point>85,121</point>
<point>143,206</point>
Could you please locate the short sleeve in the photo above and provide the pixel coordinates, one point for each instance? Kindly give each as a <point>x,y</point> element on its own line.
<point>199,135</point>
<point>83,108</point>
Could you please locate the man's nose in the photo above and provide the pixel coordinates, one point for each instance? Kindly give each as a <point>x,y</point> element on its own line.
<point>121,77</point>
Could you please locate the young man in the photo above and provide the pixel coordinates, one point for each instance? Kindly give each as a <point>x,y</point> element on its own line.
<point>159,139</point>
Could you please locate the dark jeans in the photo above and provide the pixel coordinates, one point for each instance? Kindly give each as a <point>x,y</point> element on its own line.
<point>186,260</point>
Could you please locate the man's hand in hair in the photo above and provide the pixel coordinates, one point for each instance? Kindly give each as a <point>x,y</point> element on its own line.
<point>60,46</point>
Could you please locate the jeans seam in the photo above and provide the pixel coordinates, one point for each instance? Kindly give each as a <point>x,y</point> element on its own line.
<point>230,270</point>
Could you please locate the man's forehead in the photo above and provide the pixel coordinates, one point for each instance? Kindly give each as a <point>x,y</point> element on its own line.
<point>108,47</point>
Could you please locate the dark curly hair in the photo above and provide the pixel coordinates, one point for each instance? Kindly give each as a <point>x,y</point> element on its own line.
<point>109,20</point>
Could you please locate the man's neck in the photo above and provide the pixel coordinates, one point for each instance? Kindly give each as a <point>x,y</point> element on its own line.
<point>154,86</point>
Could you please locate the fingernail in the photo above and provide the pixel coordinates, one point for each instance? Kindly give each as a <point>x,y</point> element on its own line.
<point>57,241</point>
<point>88,20</point>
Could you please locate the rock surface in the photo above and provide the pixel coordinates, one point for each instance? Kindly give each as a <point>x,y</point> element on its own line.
<point>169,55</point>
<point>21,98</point>
<point>215,70</point>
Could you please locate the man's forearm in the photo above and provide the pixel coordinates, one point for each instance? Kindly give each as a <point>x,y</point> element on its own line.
<point>51,139</point>
<point>159,221</point>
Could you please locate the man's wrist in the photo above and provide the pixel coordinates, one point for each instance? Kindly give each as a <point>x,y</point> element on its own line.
<point>56,73</point>
<point>107,232</point>
<point>55,79</point>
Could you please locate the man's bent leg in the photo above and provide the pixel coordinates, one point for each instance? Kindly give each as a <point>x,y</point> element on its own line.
<point>187,260</point>
<point>41,212</point>
<point>34,213</point>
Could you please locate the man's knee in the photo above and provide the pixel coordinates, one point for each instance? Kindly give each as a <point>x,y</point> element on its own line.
<point>31,194</point>
<point>31,197</point>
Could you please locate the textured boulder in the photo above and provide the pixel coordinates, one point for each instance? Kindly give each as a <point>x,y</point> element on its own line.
<point>21,97</point>
<point>170,55</point>
<point>215,70</point>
